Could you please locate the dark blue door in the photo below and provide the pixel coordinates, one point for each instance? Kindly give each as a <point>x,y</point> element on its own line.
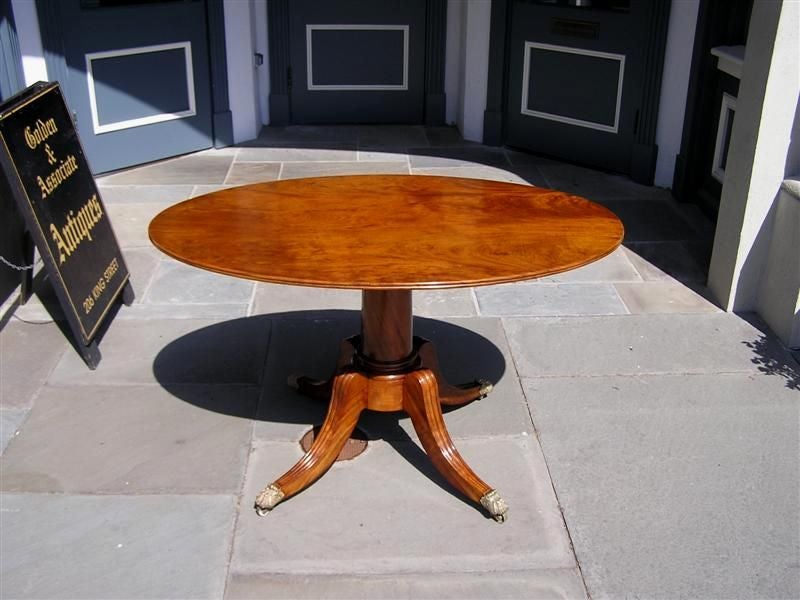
<point>576,73</point>
<point>138,78</point>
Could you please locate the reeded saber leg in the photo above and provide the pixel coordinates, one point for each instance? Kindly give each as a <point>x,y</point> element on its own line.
<point>451,395</point>
<point>348,399</point>
<point>421,402</point>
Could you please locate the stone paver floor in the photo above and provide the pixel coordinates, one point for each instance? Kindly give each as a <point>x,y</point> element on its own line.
<point>646,442</point>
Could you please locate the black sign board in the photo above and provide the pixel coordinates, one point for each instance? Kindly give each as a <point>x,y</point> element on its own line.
<point>43,162</point>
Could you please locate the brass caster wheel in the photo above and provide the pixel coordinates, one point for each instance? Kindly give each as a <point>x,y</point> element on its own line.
<point>268,499</point>
<point>486,388</point>
<point>495,506</point>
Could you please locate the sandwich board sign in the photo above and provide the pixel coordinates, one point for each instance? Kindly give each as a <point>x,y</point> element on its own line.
<point>45,169</point>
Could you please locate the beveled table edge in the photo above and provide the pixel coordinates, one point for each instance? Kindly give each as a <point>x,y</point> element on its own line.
<point>306,282</point>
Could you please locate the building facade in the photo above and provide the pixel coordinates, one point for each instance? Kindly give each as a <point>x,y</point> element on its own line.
<point>699,96</point>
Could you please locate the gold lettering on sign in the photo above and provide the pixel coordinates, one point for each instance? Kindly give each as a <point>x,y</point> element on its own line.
<point>40,132</point>
<point>61,173</point>
<point>76,228</point>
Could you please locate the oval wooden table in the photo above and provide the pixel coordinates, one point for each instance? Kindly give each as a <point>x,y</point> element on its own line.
<point>387,235</point>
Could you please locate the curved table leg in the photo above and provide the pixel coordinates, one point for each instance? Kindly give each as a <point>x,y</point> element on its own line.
<point>451,395</point>
<point>422,403</point>
<point>348,399</point>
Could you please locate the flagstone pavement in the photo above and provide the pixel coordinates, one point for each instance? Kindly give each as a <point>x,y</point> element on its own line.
<point>646,442</point>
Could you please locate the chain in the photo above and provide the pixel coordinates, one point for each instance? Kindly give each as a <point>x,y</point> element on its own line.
<point>17,267</point>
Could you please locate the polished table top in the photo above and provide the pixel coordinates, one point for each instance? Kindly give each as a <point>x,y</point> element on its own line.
<point>384,232</point>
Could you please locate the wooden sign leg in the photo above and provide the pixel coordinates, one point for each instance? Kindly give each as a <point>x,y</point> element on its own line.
<point>90,354</point>
<point>128,295</point>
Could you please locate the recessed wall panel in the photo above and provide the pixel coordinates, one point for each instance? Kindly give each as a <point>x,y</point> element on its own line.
<point>572,85</point>
<point>357,57</point>
<point>139,86</point>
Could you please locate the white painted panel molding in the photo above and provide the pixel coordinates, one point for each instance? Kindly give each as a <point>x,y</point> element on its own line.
<point>150,119</point>
<point>329,27</point>
<point>620,58</point>
<point>726,112</point>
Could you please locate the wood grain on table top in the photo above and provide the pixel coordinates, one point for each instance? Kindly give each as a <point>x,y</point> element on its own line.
<point>387,232</point>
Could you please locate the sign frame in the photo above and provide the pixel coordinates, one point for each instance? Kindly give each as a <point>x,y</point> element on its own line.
<point>75,249</point>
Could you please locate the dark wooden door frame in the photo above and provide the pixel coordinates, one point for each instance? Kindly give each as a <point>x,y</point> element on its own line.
<point>49,13</point>
<point>718,23</point>
<point>11,76</point>
<point>645,151</point>
<point>281,76</point>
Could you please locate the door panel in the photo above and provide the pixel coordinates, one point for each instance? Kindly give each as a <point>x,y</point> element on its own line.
<point>357,62</point>
<point>131,88</point>
<point>575,80</point>
<point>138,79</point>
<point>336,57</point>
<point>549,85</point>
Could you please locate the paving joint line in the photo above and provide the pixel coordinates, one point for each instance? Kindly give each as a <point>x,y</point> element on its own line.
<point>546,463</point>
<point>412,439</point>
<point>159,260</point>
<point>251,303</point>
<point>101,494</point>
<point>622,300</point>
<point>228,172</point>
<point>475,302</point>
<point>646,374</point>
<point>238,507</point>
<point>359,574</point>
